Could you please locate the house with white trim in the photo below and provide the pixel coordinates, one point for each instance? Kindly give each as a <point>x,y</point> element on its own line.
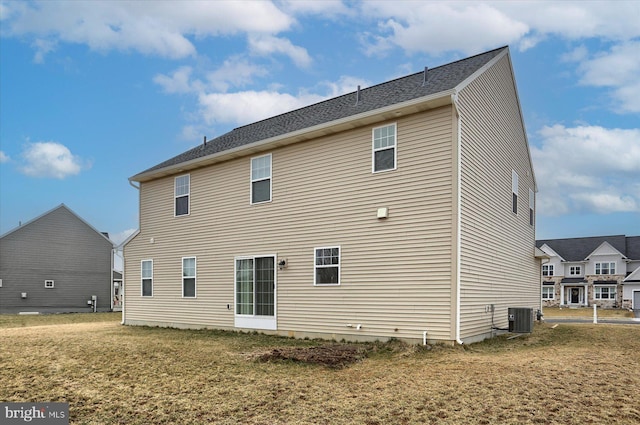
<point>581,272</point>
<point>402,210</point>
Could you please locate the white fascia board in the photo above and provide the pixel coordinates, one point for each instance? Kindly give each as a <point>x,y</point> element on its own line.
<point>438,99</point>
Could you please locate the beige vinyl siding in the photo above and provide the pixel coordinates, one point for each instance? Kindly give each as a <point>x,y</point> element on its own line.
<point>497,263</point>
<point>395,273</point>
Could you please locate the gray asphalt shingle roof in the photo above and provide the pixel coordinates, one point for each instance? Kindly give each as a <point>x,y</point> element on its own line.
<point>577,249</point>
<point>440,79</point>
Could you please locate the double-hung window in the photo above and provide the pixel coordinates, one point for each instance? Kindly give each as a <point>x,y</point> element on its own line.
<point>261,179</point>
<point>575,270</point>
<point>548,292</point>
<point>514,191</point>
<point>181,191</point>
<point>605,292</point>
<point>189,277</point>
<point>146,275</point>
<point>327,266</point>
<point>606,268</point>
<point>547,270</point>
<point>384,148</point>
<point>532,200</point>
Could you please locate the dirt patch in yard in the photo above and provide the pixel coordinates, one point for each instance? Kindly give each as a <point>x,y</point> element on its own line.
<point>333,356</point>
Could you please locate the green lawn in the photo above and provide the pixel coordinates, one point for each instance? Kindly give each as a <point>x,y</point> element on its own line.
<point>113,374</point>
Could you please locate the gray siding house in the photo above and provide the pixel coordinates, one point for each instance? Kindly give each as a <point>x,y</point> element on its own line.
<point>402,210</point>
<point>601,270</point>
<point>55,263</point>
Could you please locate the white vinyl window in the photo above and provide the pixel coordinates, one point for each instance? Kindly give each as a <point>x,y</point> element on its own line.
<point>146,277</point>
<point>49,284</point>
<point>547,270</point>
<point>514,191</point>
<point>181,191</point>
<point>606,268</point>
<point>189,277</point>
<point>384,148</point>
<point>604,292</point>
<point>575,270</point>
<point>261,179</point>
<point>532,212</point>
<point>548,293</point>
<point>327,266</point>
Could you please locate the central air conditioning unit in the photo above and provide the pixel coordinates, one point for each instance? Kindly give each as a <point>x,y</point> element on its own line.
<point>520,320</point>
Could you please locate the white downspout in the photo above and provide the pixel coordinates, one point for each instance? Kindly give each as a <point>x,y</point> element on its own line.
<point>454,102</point>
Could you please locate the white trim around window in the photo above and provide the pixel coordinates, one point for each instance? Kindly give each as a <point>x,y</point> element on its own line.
<point>49,284</point>
<point>604,292</point>
<point>261,184</point>
<point>384,148</point>
<point>146,278</point>
<point>548,292</point>
<point>605,268</point>
<point>575,270</point>
<point>181,194</point>
<point>514,191</point>
<point>532,208</point>
<point>189,284</point>
<point>326,266</point>
<point>547,269</point>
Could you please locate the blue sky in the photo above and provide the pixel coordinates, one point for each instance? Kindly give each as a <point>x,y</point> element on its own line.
<point>92,93</point>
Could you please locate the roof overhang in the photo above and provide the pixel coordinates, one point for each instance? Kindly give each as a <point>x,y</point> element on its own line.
<point>538,253</point>
<point>366,118</point>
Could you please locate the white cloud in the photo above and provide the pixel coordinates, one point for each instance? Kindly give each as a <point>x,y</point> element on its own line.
<point>266,45</point>
<point>51,159</point>
<point>234,72</point>
<point>587,169</point>
<point>179,81</point>
<point>4,157</point>
<point>471,27</point>
<point>152,28</point>
<point>248,106</point>
<point>618,69</point>
<point>325,8</point>
<point>120,237</point>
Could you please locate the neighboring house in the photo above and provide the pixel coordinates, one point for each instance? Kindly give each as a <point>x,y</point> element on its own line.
<point>55,263</point>
<point>399,209</point>
<point>603,270</point>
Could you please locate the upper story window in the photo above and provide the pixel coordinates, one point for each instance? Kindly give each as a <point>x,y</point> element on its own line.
<point>49,284</point>
<point>146,276</point>
<point>384,148</point>
<point>327,266</point>
<point>261,179</point>
<point>547,270</point>
<point>189,277</point>
<point>532,200</point>
<point>606,268</point>
<point>181,188</point>
<point>514,190</point>
<point>575,270</point>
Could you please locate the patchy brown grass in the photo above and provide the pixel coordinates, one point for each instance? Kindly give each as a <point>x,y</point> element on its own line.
<point>111,374</point>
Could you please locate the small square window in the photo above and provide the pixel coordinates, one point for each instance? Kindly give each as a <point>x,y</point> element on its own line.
<point>49,284</point>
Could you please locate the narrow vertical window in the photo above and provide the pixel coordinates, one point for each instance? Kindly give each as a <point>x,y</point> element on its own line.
<point>146,275</point>
<point>327,266</point>
<point>182,184</point>
<point>384,148</point>
<point>261,179</point>
<point>189,277</point>
<point>532,212</point>
<point>514,190</point>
